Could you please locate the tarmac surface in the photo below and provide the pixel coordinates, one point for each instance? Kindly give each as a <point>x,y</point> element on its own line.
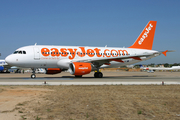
<point>110,78</point>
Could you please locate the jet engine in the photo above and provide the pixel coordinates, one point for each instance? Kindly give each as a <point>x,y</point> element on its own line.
<point>53,70</point>
<point>80,68</point>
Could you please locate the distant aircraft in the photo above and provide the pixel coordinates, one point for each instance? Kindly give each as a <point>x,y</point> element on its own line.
<point>175,68</point>
<point>129,66</point>
<point>160,68</point>
<point>82,60</point>
<point>3,65</point>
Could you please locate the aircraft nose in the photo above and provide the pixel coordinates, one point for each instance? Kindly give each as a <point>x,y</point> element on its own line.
<point>9,59</point>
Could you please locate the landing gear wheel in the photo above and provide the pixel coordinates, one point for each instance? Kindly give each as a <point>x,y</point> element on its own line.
<point>78,76</point>
<point>33,76</point>
<point>98,75</point>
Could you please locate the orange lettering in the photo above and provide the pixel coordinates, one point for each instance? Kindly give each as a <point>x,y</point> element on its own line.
<point>73,53</point>
<point>97,52</point>
<point>63,52</point>
<point>123,52</point>
<point>106,53</point>
<point>90,53</point>
<point>54,52</point>
<point>83,53</point>
<point>45,51</point>
<point>114,54</point>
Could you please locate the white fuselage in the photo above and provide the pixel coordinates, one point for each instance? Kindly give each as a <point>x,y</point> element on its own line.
<point>42,56</point>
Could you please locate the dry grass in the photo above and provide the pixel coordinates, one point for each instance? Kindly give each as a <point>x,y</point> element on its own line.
<point>104,103</point>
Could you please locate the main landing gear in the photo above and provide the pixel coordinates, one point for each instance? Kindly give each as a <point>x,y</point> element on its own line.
<point>98,75</point>
<point>33,76</point>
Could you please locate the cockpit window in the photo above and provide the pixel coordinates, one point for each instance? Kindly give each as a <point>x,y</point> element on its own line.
<point>19,52</point>
<point>24,52</point>
<point>15,52</point>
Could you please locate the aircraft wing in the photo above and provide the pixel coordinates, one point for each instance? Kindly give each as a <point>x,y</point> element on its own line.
<point>106,60</point>
<point>101,61</point>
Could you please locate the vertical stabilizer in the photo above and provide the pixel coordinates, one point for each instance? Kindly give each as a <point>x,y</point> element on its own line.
<point>145,39</point>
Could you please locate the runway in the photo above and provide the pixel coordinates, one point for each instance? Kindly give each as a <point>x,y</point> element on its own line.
<point>110,78</point>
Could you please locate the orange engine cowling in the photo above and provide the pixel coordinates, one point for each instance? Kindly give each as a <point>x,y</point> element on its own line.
<point>80,68</point>
<point>53,70</point>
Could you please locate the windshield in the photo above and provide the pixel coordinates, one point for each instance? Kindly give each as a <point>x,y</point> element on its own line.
<point>19,52</point>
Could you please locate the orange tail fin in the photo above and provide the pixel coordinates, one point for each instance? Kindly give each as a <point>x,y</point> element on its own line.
<point>145,39</point>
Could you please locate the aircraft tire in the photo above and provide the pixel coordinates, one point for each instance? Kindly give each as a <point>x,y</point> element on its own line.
<point>33,76</point>
<point>98,75</point>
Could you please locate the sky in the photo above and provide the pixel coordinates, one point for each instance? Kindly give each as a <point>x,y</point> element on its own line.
<point>115,23</point>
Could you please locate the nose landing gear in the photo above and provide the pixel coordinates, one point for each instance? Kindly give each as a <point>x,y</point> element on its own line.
<point>33,76</point>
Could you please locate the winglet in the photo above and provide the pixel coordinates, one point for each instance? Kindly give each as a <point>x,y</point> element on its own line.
<point>164,53</point>
<point>145,39</point>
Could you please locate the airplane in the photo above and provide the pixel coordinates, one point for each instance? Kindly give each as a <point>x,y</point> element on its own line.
<point>160,68</point>
<point>82,60</point>
<point>3,66</point>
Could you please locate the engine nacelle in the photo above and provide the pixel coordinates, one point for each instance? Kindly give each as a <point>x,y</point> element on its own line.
<point>53,70</point>
<point>1,68</point>
<point>80,68</point>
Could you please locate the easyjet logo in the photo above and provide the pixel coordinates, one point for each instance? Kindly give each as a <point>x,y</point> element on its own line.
<point>82,68</point>
<point>145,35</point>
<point>71,53</point>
